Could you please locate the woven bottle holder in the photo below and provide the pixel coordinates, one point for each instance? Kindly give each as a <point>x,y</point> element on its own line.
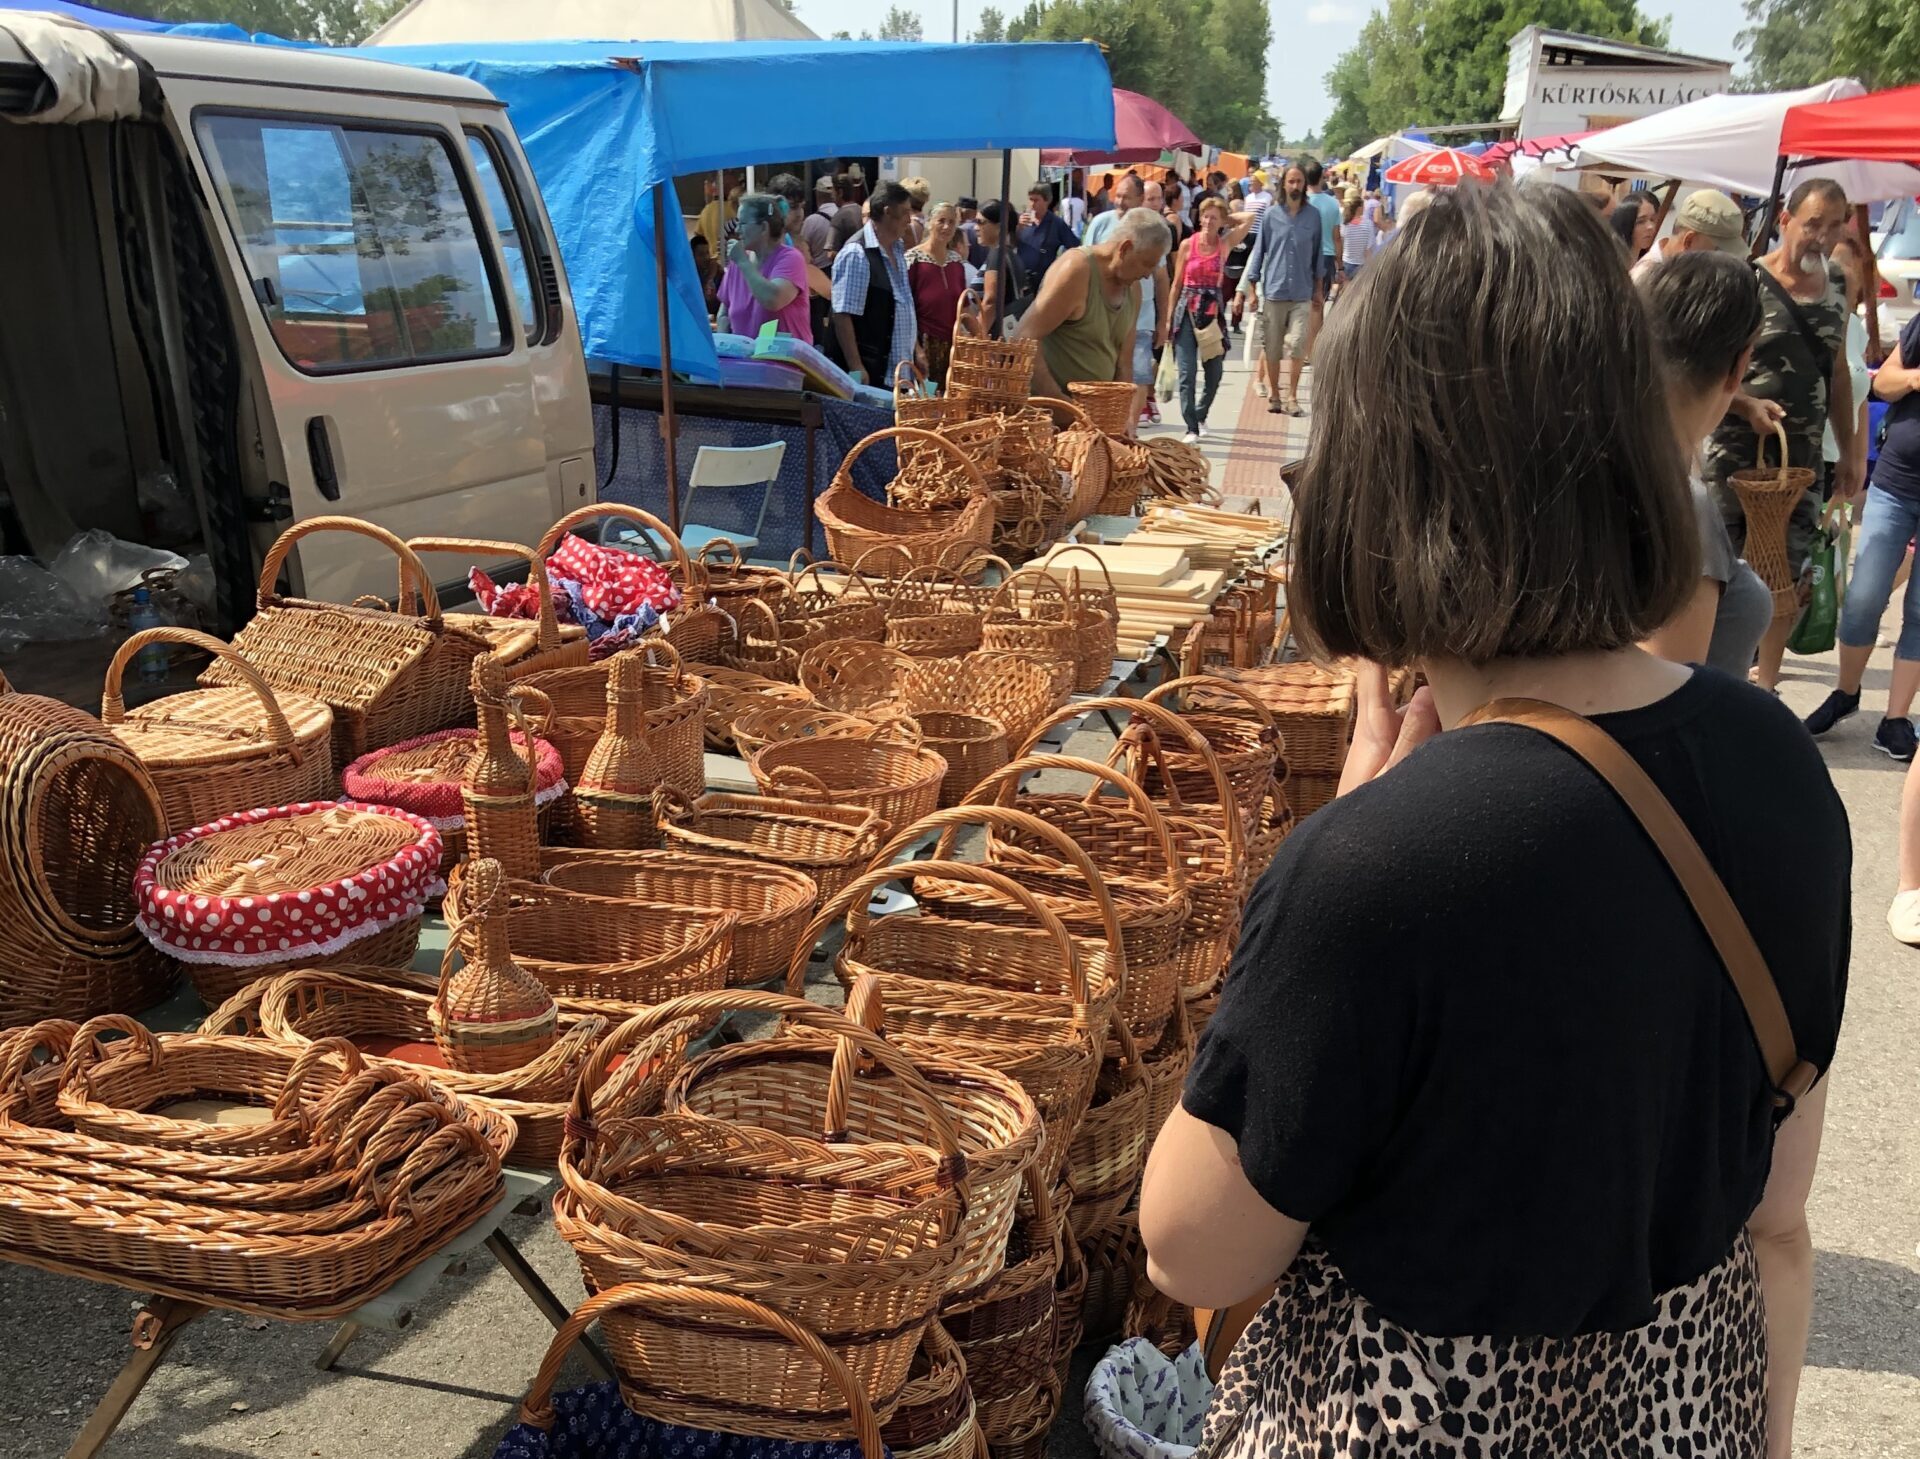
<point>613,803</point>
<point>491,1015</point>
<point>500,791</point>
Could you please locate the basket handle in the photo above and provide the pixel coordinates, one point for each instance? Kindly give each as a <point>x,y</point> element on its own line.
<point>1057,403</point>
<point>881,548</point>
<point>1760,449</point>
<point>773,621</point>
<point>717,548</point>
<point>993,817</point>
<point>814,570</point>
<point>691,578</point>
<point>906,379</point>
<point>243,1015</point>
<point>1217,684</point>
<point>989,559</point>
<point>671,803</point>
<point>427,1159</point>
<point>113,709</point>
<point>654,643</point>
<point>851,903</point>
<point>52,1036</point>
<point>976,483</point>
<point>792,776</point>
<point>693,1302</point>
<point>700,1007</point>
<point>87,1047</point>
<point>1000,788</point>
<point>1061,551</point>
<point>970,312</point>
<point>548,621</point>
<point>411,567</point>
<point>1162,719</point>
<point>895,728</point>
<point>309,1059</point>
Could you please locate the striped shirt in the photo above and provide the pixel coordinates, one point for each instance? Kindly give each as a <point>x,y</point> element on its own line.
<point>850,278</point>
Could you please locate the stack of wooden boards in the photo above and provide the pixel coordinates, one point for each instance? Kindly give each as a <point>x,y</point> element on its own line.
<point>1168,574</point>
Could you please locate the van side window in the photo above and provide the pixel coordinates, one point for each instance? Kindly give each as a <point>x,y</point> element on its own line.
<point>507,222</point>
<point>361,241</point>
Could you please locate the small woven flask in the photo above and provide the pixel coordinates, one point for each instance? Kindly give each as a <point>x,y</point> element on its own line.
<point>613,802</point>
<point>492,1015</point>
<point>503,821</point>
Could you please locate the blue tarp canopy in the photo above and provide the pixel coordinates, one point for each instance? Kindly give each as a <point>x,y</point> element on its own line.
<point>604,121</point>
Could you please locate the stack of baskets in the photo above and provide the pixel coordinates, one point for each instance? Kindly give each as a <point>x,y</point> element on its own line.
<point>305,1206</point>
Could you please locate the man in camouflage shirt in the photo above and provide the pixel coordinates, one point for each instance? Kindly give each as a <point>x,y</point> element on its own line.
<point>1797,378</point>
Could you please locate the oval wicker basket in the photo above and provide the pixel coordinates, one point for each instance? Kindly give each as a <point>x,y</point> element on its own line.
<point>732,694</point>
<point>831,844</point>
<point>855,522</point>
<point>210,751</point>
<point>899,783</point>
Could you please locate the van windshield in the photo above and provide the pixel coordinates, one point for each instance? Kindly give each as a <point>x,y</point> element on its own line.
<point>361,242</point>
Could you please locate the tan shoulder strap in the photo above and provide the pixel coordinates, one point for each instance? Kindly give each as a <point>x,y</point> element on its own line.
<point>1746,965</point>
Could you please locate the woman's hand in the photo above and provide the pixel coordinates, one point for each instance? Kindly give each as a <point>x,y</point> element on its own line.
<point>1383,733</point>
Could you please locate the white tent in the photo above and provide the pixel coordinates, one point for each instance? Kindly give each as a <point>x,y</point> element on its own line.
<point>1733,143</point>
<point>440,22</point>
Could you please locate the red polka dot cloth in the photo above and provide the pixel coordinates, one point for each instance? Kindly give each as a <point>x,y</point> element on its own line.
<point>423,775</point>
<point>381,875</point>
<point>613,583</point>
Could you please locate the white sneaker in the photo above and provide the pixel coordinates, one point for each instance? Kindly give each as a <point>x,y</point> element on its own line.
<point>1189,439</point>
<point>1903,917</point>
<point>1202,431</point>
<point>1260,388</point>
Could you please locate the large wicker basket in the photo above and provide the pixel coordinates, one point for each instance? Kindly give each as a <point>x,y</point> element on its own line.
<point>676,715</point>
<point>696,626</point>
<point>211,751</point>
<point>1313,709</point>
<point>898,782</point>
<point>855,522</point>
<point>830,843</point>
<point>386,676</point>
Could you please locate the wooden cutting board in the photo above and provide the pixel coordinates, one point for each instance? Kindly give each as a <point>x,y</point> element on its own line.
<point>1132,566</point>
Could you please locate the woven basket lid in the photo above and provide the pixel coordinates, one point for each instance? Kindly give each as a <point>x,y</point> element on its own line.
<point>423,775</point>
<point>285,882</point>
<point>218,726</point>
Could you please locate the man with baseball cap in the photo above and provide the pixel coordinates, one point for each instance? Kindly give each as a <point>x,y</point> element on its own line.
<point>1706,219</point>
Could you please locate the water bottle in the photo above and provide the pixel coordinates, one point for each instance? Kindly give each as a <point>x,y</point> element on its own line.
<point>151,661</point>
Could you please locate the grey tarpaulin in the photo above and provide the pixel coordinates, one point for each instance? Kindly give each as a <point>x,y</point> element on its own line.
<point>640,474</point>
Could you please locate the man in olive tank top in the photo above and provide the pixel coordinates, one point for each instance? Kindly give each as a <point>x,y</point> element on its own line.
<point>1084,315</point>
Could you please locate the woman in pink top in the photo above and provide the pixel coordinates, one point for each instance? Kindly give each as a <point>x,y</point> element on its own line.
<point>1197,271</point>
<point>766,276</point>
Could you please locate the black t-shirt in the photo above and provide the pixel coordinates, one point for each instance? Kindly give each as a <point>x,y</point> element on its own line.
<point>1475,1036</point>
<point>1898,469</point>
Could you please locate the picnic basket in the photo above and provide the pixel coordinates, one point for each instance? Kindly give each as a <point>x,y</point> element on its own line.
<point>855,522</point>
<point>210,751</point>
<point>1768,497</point>
<point>770,902</point>
<point>77,812</point>
<point>424,776</point>
<point>387,676</point>
<point>857,1242</point>
<point>676,704</point>
<point>261,891</point>
<point>829,843</point>
<point>695,627</point>
<point>899,782</point>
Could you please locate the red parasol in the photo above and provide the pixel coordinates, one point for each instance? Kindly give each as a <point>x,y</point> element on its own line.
<point>1142,130</point>
<point>1444,168</point>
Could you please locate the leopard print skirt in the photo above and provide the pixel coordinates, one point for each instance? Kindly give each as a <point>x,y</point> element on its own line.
<point>1320,1373</point>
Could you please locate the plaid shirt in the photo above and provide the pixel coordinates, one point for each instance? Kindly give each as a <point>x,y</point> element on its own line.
<point>850,278</point>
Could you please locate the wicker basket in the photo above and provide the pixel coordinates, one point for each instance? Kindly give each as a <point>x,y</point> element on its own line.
<point>384,1014</point>
<point>1026,439</point>
<point>731,582</point>
<point>211,751</point>
<point>1768,497</point>
<point>1109,404</point>
<point>913,407</point>
<point>850,611</point>
<point>696,625</point>
<point>732,695</point>
<point>935,481</point>
<point>1016,691</point>
<point>1109,1150</point>
<point>626,952</point>
<point>771,903</point>
<point>613,798</point>
<point>853,674</point>
<point>925,624</point>
<point>831,844</point>
<point>1116,1261</point>
<point>936,1417</point>
<point>813,1088</point>
<point>423,776</point>
<point>1007,1333</point>
<point>898,782</point>
<point>1083,454</point>
<point>256,893</point>
<point>676,715</point>
<point>1313,709</point>
<point>1247,744</point>
<point>989,374</point>
<point>1062,672</point>
<point>859,1242</point>
<point>77,811</point>
<point>855,522</point>
<point>757,643</point>
<point>550,647</point>
<point>1041,626</point>
<point>1095,611</point>
<point>1132,467</point>
<point>758,728</point>
<point>386,676</point>
<point>973,745</point>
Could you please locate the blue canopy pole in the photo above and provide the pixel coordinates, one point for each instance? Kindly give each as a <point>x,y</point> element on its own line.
<point>669,430</point>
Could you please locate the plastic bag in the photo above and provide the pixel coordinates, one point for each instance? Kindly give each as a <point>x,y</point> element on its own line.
<point>1141,1404</point>
<point>36,605</point>
<point>96,565</point>
<point>1815,632</point>
<point>1167,378</point>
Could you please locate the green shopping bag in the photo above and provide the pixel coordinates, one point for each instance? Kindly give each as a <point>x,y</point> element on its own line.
<point>1814,633</point>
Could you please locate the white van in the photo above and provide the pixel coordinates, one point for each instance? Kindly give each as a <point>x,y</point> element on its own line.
<point>297,284</point>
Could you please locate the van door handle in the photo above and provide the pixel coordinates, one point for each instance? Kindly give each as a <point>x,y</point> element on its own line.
<point>320,453</point>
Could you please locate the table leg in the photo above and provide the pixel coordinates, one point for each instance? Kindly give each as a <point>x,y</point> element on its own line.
<point>551,1307</point>
<point>153,1333</point>
<point>336,1345</point>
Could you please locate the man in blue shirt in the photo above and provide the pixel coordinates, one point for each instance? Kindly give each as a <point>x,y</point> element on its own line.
<point>1328,207</point>
<point>1282,273</point>
<point>1043,235</point>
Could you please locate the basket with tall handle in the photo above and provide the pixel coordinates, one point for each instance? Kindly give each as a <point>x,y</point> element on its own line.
<point>855,523</point>
<point>990,375</point>
<point>553,646</point>
<point>695,627</point>
<point>1768,496</point>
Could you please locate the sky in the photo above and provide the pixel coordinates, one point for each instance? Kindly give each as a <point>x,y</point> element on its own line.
<point>1310,33</point>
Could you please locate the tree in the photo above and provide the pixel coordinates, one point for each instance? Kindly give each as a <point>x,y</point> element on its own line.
<point>1788,44</point>
<point>332,22</point>
<point>992,26</point>
<point>901,25</point>
<point>1879,43</point>
<point>1026,25</point>
<point>841,35</point>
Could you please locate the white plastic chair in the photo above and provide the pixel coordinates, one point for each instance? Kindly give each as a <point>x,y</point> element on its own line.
<point>731,467</point>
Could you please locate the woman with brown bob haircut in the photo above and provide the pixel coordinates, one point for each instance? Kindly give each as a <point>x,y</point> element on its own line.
<point>1494,1148</point>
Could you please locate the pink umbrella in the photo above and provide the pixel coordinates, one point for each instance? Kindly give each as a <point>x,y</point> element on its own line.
<point>1142,130</point>
<point>1444,168</point>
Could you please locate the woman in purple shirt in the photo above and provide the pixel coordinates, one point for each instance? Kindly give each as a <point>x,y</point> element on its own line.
<point>766,276</point>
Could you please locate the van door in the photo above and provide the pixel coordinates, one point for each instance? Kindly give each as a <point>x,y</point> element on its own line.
<point>398,365</point>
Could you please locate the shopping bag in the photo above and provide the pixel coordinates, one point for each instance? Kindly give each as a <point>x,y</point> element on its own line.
<point>1166,378</point>
<point>1814,633</point>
